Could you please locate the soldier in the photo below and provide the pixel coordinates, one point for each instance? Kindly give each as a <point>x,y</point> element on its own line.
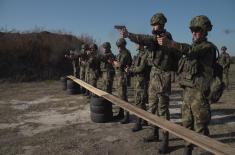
<point>139,71</point>
<point>94,65</point>
<point>224,61</point>
<point>196,70</point>
<point>124,61</point>
<point>160,79</point>
<point>75,63</point>
<point>107,68</point>
<point>82,61</point>
<point>87,71</point>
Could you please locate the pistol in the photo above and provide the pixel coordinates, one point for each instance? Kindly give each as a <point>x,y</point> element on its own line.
<point>119,27</point>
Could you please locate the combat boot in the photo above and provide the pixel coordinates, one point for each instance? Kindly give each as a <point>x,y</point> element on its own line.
<point>188,150</point>
<point>120,114</point>
<point>125,120</point>
<point>154,136</point>
<point>164,144</point>
<point>138,125</point>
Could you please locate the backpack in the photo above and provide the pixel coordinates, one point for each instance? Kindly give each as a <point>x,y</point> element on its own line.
<point>217,85</point>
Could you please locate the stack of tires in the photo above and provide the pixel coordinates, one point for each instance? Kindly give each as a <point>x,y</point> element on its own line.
<point>72,87</point>
<point>101,110</point>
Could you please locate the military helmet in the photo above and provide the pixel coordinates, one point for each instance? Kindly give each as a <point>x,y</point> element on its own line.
<point>120,42</point>
<point>224,48</point>
<point>85,46</point>
<point>93,46</point>
<point>202,22</point>
<point>158,19</point>
<point>106,45</point>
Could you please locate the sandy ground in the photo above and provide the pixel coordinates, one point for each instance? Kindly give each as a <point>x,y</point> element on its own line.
<point>41,118</point>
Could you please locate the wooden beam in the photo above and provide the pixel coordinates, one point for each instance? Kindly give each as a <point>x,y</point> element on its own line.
<point>202,141</point>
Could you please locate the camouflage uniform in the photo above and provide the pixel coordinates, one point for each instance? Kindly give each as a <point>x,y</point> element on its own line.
<point>107,68</point>
<point>124,59</point>
<point>82,62</point>
<point>93,64</point>
<point>75,63</point>
<point>196,71</point>
<point>224,61</point>
<point>160,77</point>
<point>139,71</point>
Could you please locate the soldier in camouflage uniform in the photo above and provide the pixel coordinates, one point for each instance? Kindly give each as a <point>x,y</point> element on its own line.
<point>224,61</point>
<point>93,63</point>
<point>87,72</point>
<point>75,63</point>
<point>107,68</point>
<point>124,60</point>
<point>82,62</point>
<point>196,71</point>
<point>160,77</point>
<point>139,71</point>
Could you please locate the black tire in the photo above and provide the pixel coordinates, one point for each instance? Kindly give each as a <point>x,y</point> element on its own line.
<point>101,109</point>
<point>99,101</point>
<point>64,83</point>
<point>72,87</point>
<point>100,118</point>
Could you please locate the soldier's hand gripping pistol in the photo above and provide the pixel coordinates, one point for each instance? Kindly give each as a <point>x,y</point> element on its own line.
<point>122,30</point>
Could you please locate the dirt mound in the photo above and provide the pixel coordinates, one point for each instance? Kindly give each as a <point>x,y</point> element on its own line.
<point>35,56</point>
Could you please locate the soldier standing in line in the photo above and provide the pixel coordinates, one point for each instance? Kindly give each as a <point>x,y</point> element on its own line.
<point>93,63</point>
<point>224,61</point>
<point>160,77</point>
<point>124,61</point>
<point>195,70</point>
<point>75,63</point>
<point>107,68</point>
<point>87,70</point>
<point>139,71</point>
<point>82,62</point>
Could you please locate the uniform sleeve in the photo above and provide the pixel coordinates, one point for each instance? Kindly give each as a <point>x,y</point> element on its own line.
<point>141,67</point>
<point>146,40</point>
<point>182,47</point>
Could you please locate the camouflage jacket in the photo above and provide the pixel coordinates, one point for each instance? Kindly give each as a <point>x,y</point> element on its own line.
<point>196,64</point>
<point>105,65</point>
<point>224,60</point>
<point>93,64</point>
<point>140,64</point>
<point>163,58</point>
<point>125,60</point>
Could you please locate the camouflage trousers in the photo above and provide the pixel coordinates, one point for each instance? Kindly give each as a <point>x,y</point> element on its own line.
<point>226,78</point>
<point>159,91</point>
<point>122,87</point>
<point>140,92</point>
<point>87,73</point>
<point>195,111</point>
<point>82,73</point>
<point>93,78</point>
<point>107,81</point>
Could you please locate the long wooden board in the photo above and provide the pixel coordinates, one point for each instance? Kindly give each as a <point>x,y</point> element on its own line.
<point>202,141</point>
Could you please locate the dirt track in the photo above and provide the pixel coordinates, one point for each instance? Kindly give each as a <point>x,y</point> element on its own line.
<point>40,118</point>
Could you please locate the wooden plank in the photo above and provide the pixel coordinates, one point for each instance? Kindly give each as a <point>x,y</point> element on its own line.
<point>202,141</point>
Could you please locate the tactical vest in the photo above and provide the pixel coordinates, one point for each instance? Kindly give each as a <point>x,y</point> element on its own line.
<point>140,57</point>
<point>163,58</point>
<point>104,64</point>
<point>195,68</point>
